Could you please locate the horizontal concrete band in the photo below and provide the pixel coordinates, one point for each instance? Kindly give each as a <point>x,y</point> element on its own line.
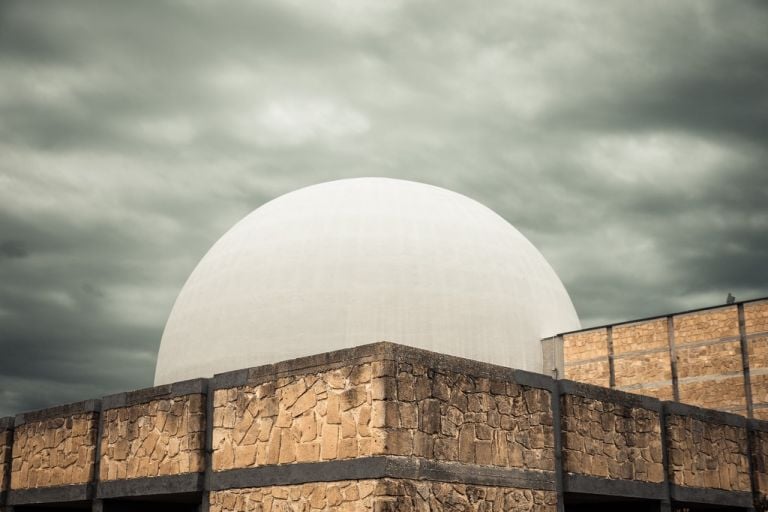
<point>57,494</point>
<point>711,496</point>
<point>177,389</point>
<point>60,411</point>
<point>173,484</point>
<point>382,351</point>
<point>410,468</point>
<point>585,484</point>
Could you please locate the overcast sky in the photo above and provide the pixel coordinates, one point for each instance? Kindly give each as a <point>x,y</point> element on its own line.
<point>627,140</point>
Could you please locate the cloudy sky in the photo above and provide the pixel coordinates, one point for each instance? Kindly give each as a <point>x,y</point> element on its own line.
<point>627,140</point>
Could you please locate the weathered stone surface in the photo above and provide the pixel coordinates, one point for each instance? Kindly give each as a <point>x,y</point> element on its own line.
<point>643,368</point>
<point>457,417</point>
<point>56,451</point>
<point>5,452</point>
<point>611,440</point>
<point>640,336</point>
<point>325,415</point>
<point>723,393</point>
<point>756,317</point>
<point>704,454</point>
<point>596,373</point>
<point>400,409</point>
<point>157,438</point>
<point>586,357</point>
<point>761,463</point>
<point>381,496</point>
<point>710,324</point>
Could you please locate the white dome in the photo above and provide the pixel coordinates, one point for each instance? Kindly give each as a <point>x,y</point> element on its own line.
<point>351,262</point>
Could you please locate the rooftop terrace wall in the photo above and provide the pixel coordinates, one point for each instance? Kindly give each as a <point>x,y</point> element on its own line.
<point>381,427</point>
<point>714,357</point>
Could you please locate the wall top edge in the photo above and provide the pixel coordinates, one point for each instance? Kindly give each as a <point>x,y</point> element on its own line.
<point>165,391</point>
<point>59,411</point>
<point>659,317</point>
<point>706,415</point>
<point>381,351</point>
<point>571,387</point>
<point>6,423</point>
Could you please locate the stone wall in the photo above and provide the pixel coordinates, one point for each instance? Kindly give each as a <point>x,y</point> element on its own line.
<point>6,446</point>
<point>709,362</point>
<point>54,451</point>
<point>382,496</point>
<point>586,357</point>
<point>326,415</point>
<point>756,332</point>
<point>706,454</point>
<point>708,369</point>
<point>760,461</point>
<point>611,440</point>
<point>156,438</point>
<point>641,358</point>
<point>383,408</point>
<point>452,416</point>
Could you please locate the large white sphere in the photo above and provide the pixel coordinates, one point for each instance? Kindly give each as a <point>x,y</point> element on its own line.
<point>357,261</point>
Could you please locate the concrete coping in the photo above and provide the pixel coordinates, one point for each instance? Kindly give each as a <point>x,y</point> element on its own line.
<point>381,351</point>
<point>165,391</point>
<point>6,423</point>
<point>59,411</point>
<point>658,317</point>
<point>570,387</point>
<point>706,415</point>
<point>756,424</point>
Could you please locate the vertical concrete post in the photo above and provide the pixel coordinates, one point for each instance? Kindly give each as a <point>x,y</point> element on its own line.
<point>208,451</point>
<point>666,499</point>
<point>557,428</point>
<point>673,357</point>
<point>611,367</point>
<point>745,360</point>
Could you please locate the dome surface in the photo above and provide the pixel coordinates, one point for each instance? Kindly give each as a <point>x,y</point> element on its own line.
<point>356,261</point>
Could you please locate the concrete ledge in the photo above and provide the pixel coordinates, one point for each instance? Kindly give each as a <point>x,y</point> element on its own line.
<point>570,387</point>
<point>58,494</point>
<point>58,411</point>
<point>707,415</point>
<point>174,484</point>
<point>584,484</point>
<point>759,425</point>
<point>381,351</point>
<point>410,468</point>
<point>712,496</point>
<point>140,396</point>
<point>6,423</point>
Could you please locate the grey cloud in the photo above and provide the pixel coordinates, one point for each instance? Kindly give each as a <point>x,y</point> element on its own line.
<point>626,140</point>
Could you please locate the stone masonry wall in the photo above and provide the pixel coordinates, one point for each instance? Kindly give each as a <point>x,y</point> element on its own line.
<point>703,454</point>
<point>5,451</point>
<point>761,462</point>
<point>610,440</point>
<point>314,417</point>
<point>382,496</point>
<point>709,364</point>
<point>452,416</point>
<point>383,408</point>
<point>58,451</point>
<point>756,330</point>
<point>641,358</point>
<point>156,438</point>
<point>586,357</point>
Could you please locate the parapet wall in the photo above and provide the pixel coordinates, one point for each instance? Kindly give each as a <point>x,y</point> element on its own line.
<point>715,358</point>
<point>381,427</point>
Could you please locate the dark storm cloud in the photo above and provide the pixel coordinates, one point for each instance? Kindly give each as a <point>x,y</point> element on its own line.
<point>625,139</point>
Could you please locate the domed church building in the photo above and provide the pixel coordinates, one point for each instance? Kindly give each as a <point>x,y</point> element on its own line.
<point>382,345</point>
